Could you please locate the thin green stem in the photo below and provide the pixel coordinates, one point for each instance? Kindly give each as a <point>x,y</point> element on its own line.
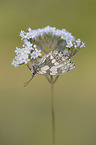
<point>55,79</point>
<point>48,79</point>
<point>53,111</point>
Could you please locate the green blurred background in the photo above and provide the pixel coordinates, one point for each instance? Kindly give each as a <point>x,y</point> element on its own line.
<point>25,113</point>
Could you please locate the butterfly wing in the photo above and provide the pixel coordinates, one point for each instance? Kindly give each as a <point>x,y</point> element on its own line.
<point>55,63</point>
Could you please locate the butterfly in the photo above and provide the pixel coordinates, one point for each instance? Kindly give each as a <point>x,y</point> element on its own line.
<point>53,63</point>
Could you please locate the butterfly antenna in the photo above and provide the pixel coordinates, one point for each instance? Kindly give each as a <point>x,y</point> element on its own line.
<point>25,84</point>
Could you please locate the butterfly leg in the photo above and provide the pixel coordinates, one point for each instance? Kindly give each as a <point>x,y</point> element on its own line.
<point>29,66</point>
<point>25,84</point>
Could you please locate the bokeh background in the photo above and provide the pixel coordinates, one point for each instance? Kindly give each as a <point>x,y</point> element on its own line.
<point>25,113</point>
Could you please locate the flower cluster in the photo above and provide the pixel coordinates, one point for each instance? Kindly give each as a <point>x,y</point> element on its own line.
<point>65,35</point>
<point>25,54</point>
<point>51,38</point>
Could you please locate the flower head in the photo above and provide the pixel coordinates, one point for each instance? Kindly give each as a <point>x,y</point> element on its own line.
<point>25,54</point>
<point>40,41</point>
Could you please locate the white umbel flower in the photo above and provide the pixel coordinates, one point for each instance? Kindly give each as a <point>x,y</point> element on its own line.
<point>23,55</point>
<point>48,37</point>
<point>54,32</point>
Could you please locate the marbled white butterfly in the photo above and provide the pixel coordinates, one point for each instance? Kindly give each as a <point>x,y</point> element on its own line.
<point>54,63</point>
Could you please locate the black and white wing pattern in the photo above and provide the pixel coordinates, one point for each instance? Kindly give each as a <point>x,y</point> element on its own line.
<point>54,63</point>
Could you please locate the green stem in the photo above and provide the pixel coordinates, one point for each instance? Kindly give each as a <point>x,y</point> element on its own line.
<point>55,79</point>
<point>53,111</point>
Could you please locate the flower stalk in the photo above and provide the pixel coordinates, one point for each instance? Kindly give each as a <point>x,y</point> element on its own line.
<point>52,110</point>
